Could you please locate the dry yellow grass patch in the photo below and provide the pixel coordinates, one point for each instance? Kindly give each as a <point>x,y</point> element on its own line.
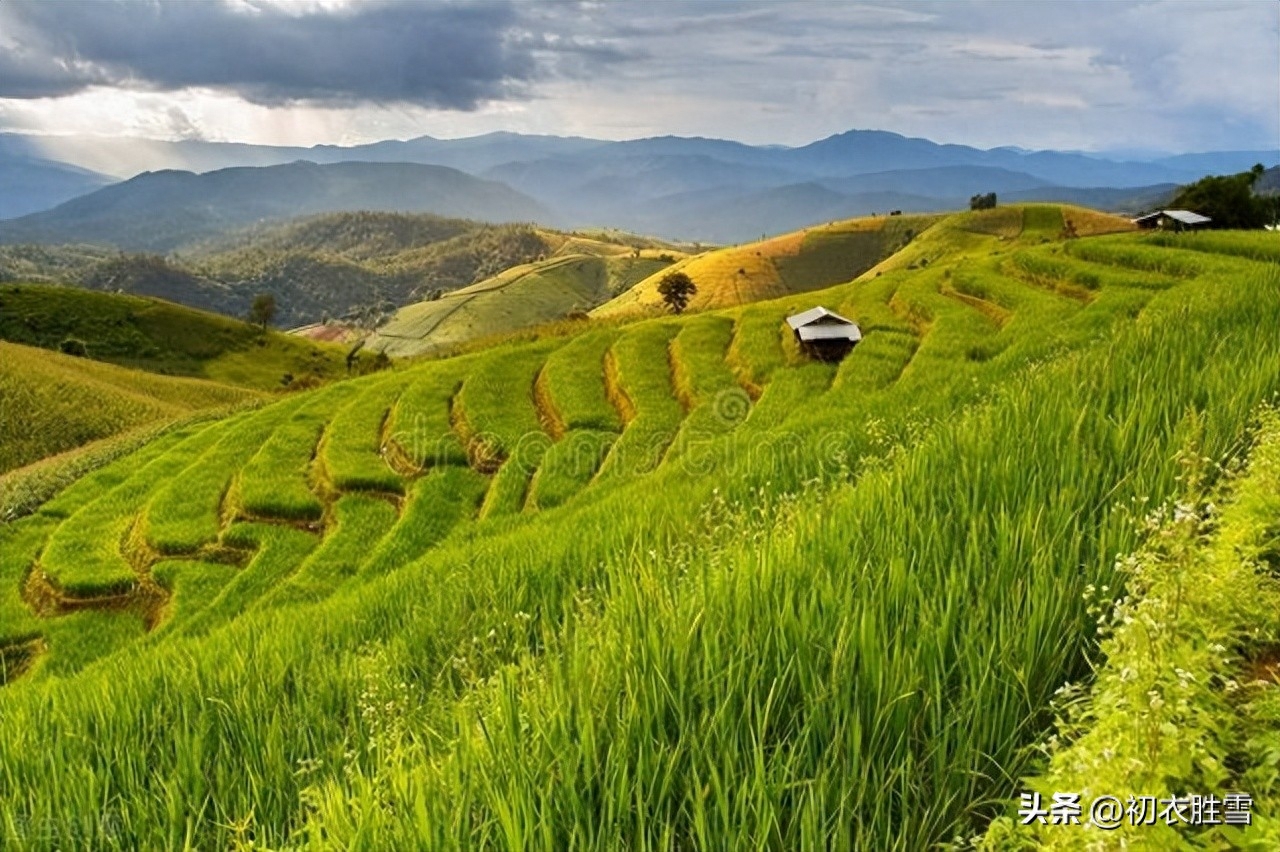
<point>1091,223</point>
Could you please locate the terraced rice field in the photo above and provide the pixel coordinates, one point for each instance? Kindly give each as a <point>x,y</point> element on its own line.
<point>806,260</point>
<point>674,564</point>
<point>522,297</point>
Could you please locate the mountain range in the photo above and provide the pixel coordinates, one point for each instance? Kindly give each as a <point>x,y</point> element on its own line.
<point>702,189</point>
<point>160,211</point>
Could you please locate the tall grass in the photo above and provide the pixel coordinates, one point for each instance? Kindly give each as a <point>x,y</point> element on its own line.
<point>838,629</point>
<point>352,450</point>
<point>437,503</point>
<point>189,511</point>
<point>641,357</point>
<point>704,383</point>
<point>868,677</point>
<point>360,522</point>
<point>279,552</point>
<point>277,481</point>
<point>84,555</point>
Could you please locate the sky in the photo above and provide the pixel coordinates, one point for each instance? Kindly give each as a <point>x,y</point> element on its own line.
<point>1172,76</point>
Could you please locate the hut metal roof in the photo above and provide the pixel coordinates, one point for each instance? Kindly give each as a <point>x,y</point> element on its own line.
<point>811,333</point>
<point>1186,217</point>
<point>796,321</point>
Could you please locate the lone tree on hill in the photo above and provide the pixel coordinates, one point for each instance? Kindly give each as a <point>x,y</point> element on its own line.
<point>676,289</point>
<point>263,310</point>
<point>983,202</point>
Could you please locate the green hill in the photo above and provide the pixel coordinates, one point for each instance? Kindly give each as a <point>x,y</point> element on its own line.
<point>358,267</point>
<point>51,403</point>
<point>161,337</point>
<point>648,585</point>
<point>584,274</point>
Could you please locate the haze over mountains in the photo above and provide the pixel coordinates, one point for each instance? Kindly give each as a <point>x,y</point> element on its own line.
<point>691,188</point>
<point>159,211</point>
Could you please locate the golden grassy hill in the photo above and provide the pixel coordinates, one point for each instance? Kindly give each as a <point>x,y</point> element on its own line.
<point>804,260</point>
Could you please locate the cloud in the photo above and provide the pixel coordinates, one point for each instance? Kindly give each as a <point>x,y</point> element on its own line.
<point>445,55</point>
<point>1185,76</point>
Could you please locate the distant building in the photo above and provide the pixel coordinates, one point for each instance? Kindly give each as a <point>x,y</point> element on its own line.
<point>1172,220</point>
<point>824,334</point>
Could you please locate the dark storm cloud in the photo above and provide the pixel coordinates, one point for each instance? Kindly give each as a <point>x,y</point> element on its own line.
<point>450,55</point>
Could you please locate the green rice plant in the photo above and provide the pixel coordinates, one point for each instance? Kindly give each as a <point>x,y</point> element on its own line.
<point>191,584</point>
<point>421,424</point>
<point>644,377</point>
<point>280,550</point>
<point>352,449</point>
<point>508,491</point>
<point>78,639</point>
<point>1252,245</point>
<point>497,401</point>
<point>843,633</point>
<point>189,512</point>
<point>20,544</point>
<point>567,467</point>
<point>1054,270</point>
<point>896,646</point>
<point>1042,220</point>
<point>276,482</point>
<point>22,541</point>
<point>84,555</point>
<point>1004,222</point>
<point>875,363</point>
<point>986,281</point>
<point>35,487</point>
<point>704,383</point>
<point>52,403</point>
<point>756,352</point>
<point>869,305</point>
<point>1186,644</point>
<point>1139,255</point>
<point>954,330</point>
<point>437,503</point>
<point>789,392</point>
<point>574,376</point>
<point>360,522</point>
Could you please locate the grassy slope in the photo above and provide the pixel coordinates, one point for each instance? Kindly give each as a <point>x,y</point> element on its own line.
<point>805,260</point>
<point>357,266</point>
<point>582,274</point>
<point>835,622</point>
<point>160,337</point>
<point>1193,644</point>
<point>51,403</point>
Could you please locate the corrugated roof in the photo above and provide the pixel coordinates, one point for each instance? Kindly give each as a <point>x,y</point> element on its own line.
<point>814,314</point>
<point>849,332</point>
<point>1186,217</point>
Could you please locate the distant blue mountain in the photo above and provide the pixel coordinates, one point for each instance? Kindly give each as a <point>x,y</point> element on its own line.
<point>694,188</point>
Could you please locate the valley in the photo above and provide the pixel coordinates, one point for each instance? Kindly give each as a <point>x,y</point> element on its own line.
<point>639,427</point>
<point>670,560</point>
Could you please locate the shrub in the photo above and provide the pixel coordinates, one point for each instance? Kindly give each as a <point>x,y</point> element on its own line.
<point>74,346</point>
